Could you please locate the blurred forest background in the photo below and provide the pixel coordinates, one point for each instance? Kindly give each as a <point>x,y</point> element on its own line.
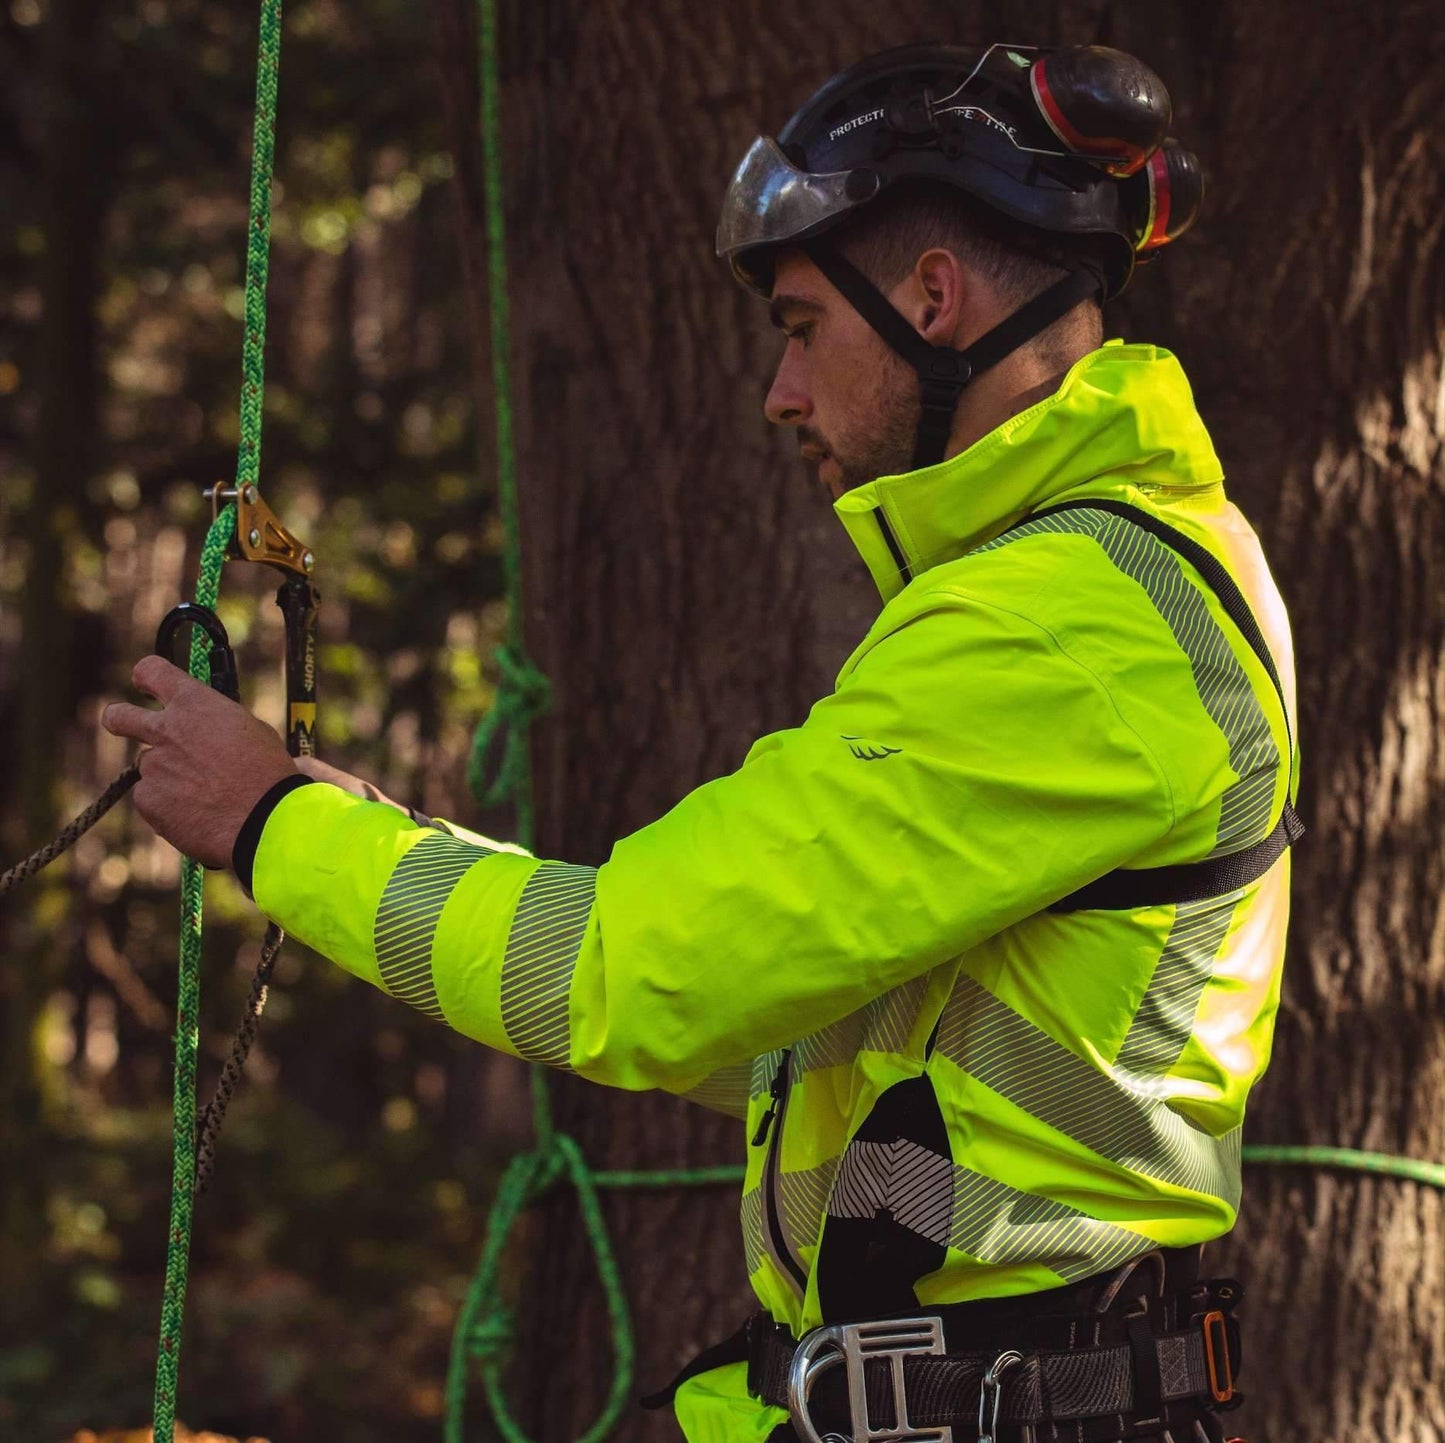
<point>685,593</point>
<point>333,1246</point>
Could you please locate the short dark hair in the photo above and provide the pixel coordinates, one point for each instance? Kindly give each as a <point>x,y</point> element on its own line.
<point>885,239</point>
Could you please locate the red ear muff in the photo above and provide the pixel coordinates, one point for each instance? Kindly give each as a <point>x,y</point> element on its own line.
<point>1165,196</point>
<point>1103,105</point>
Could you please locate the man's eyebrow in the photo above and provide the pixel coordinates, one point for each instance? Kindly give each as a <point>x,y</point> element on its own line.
<point>782,304</point>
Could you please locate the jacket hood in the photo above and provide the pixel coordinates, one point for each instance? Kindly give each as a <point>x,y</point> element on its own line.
<point>1123,417</point>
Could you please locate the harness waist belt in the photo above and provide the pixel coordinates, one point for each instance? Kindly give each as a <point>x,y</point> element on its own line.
<point>1045,1387</point>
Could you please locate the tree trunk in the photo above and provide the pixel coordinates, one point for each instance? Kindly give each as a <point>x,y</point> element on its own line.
<point>1320,303</point>
<point>686,595</point>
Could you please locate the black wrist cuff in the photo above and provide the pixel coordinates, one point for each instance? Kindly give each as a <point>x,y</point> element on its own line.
<point>243,850</point>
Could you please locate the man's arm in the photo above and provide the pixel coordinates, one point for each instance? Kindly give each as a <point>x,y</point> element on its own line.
<point>966,772</point>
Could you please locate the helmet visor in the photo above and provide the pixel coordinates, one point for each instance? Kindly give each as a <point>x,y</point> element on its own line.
<point>769,201</point>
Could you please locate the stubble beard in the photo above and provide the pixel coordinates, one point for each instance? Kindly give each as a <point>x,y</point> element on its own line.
<point>881,442</point>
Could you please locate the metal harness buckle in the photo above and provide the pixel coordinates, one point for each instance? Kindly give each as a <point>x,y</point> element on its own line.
<point>852,1344</point>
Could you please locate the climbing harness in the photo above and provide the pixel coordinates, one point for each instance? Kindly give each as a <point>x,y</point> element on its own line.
<point>1145,1350</point>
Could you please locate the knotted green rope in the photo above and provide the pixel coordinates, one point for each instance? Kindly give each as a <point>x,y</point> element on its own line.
<point>484,1329</point>
<point>484,1326</point>
<point>213,555</point>
<point>523,695</point>
<point>523,692</point>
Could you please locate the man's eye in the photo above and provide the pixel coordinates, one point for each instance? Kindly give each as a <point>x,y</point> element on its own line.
<point>800,334</point>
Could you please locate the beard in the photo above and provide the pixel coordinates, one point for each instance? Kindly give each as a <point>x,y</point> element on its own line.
<point>877,439</point>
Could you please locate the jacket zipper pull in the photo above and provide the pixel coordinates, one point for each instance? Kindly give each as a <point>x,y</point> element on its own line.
<point>775,1094</point>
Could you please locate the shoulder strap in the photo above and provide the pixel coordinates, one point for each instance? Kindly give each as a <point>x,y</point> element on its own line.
<point>1127,887</point>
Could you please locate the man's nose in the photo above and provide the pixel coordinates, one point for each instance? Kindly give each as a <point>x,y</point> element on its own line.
<point>788,402</point>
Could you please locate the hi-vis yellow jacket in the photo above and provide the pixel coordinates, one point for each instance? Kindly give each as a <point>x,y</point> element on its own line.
<point>949,1091</point>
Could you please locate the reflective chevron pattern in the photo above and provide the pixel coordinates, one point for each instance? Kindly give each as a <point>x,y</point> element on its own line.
<point>999,1224</point>
<point>542,950</point>
<point>727,1090</point>
<point>1165,1017</point>
<point>408,913</point>
<point>1120,1116</point>
<point>802,1197</point>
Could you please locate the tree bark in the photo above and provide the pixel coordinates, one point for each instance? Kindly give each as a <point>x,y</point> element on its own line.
<point>686,594</point>
<point>1323,284</point>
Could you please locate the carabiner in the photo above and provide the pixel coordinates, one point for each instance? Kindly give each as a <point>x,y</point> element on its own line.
<point>990,1395</point>
<point>224,678</point>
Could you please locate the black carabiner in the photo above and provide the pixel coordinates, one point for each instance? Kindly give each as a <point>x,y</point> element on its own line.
<point>224,678</point>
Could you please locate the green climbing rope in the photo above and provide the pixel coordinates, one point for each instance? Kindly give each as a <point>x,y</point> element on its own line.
<point>484,1326</point>
<point>183,1170</point>
<point>523,692</point>
<point>213,555</point>
<point>1350,1159</point>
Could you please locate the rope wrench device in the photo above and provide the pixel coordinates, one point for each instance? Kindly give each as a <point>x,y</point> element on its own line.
<point>260,536</point>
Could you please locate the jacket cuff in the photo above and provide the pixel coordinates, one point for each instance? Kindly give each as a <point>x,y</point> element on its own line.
<point>243,851</point>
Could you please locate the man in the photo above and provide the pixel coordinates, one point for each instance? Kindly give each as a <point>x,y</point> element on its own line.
<point>987,951</point>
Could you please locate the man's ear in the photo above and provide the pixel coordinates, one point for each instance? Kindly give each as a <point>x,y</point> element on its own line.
<point>939,288</point>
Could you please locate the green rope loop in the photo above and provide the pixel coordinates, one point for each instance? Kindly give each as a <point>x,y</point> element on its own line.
<point>213,555</point>
<point>485,1326</point>
<point>524,693</point>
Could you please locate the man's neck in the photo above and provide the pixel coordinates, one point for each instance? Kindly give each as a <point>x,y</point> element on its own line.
<point>999,394</point>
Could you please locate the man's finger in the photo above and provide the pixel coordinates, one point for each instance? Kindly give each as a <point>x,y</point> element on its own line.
<point>157,677</point>
<point>122,719</point>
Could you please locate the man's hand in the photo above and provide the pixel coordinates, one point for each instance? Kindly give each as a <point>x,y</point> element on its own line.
<point>207,760</point>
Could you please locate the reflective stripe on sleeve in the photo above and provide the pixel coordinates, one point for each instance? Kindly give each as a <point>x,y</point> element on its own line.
<point>407,916</point>
<point>542,949</point>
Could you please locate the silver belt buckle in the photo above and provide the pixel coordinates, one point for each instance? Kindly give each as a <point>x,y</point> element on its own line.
<point>851,1345</point>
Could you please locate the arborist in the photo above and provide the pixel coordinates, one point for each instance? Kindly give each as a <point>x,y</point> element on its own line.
<point>986,951</point>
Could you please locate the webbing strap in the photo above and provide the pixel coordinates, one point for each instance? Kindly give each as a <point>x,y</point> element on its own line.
<point>1049,1386</point>
<point>943,372</point>
<point>1128,887</point>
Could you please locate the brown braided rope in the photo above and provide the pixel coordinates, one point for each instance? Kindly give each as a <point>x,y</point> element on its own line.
<point>214,1112</point>
<point>23,871</point>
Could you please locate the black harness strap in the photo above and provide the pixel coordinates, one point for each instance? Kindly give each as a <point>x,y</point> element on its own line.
<point>1127,887</point>
<point>942,371</point>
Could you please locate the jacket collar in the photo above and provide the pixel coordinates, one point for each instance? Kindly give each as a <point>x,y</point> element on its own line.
<point>1123,417</point>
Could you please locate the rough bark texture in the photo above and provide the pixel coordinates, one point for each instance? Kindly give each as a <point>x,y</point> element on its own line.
<point>1319,313</point>
<point>686,594</point>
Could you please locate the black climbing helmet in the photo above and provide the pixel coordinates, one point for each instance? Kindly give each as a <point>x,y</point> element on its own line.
<point>1070,145</point>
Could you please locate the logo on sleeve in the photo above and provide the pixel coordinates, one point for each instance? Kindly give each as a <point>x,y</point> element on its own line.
<point>867,751</point>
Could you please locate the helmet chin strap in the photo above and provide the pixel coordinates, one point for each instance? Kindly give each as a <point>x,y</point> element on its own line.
<point>942,371</point>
